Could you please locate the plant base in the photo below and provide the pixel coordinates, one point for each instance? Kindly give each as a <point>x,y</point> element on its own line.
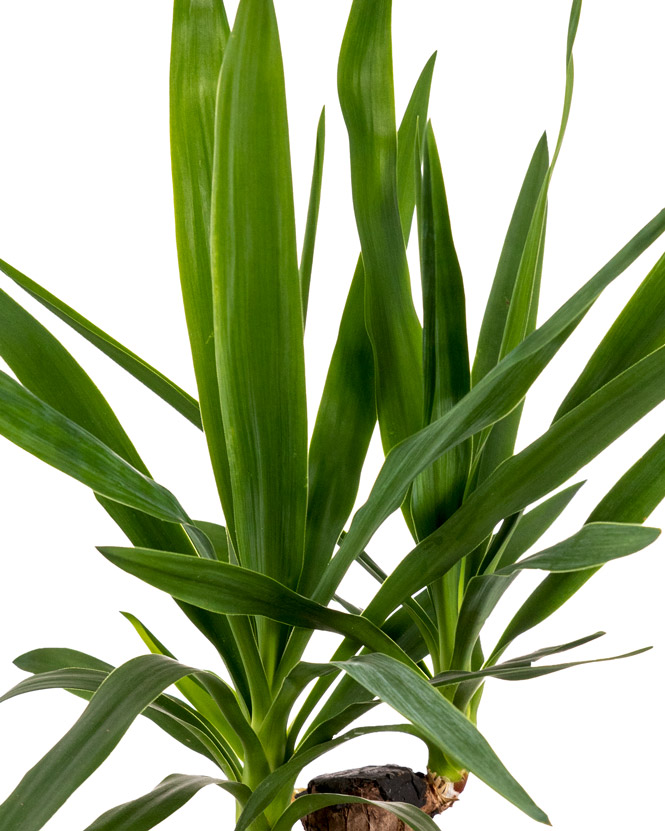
<point>388,783</point>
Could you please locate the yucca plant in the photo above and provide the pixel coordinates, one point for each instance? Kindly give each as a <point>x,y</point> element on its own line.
<point>259,585</point>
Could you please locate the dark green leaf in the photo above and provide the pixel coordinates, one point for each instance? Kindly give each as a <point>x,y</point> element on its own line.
<point>307,256</point>
<point>258,309</point>
<point>169,796</point>
<point>307,803</point>
<point>439,722</point>
<point>142,371</point>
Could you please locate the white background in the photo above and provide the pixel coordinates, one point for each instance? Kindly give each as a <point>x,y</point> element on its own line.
<point>85,209</point>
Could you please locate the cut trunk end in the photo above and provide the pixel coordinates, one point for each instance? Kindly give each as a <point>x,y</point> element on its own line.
<point>388,783</point>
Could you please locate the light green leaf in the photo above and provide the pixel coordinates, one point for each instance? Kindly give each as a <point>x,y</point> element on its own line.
<point>199,36</point>
<point>154,380</point>
<point>439,722</point>
<point>169,796</point>
<point>257,301</point>
<point>365,86</point>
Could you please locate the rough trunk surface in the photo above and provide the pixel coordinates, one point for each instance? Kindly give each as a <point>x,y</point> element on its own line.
<point>388,783</point>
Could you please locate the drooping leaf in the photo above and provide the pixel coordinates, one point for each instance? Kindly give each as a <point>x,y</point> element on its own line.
<point>233,590</point>
<point>440,722</point>
<point>595,544</point>
<point>118,701</point>
<point>169,796</point>
<point>55,439</point>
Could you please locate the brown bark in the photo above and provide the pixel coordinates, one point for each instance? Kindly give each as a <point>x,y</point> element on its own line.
<point>388,783</point>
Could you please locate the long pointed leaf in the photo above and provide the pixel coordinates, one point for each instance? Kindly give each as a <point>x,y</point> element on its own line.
<point>256,290</point>
<point>413,817</point>
<point>110,713</point>
<point>365,86</point>
<point>199,36</point>
<point>442,724</point>
<point>168,797</point>
<point>307,255</point>
<point>154,380</point>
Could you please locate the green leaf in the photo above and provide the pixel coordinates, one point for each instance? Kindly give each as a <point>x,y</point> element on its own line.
<point>438,491</point>
<point>307,255</point>
<point>128,360</point>
<point>198,43</point>
<point>191,688</point>
<point>512,672</point>
<point>110,713</point>
<point>55,439</point>
<point>307,803</point>
<point>493,397</point>
<point>631,499</point>
<point>258,309</point>
<point>595,544</point>
<point>347,413</point>
<point>533,524</point>
<point>545,464</point>
<point>498,303</point>
<point>169,796</point>
<point>84,677</point>
<point>639,330</point>
<point>233,590</point>
<point>439,722</point>
<point>365,86</point>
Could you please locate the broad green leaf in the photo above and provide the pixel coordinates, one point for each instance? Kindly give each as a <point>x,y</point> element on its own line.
<point>493,397</point>
<point>257,302</point>
<point>128,360</point>
<point>639,329</point>
<point>285,775</point>
<point>307,255</point>
<point>631,499</point>
<point>199,36</point>
<point>365,86</point>
<point>498,303</point>
<point>439,722</point>
<point>545,464</point>
<point>169,796</point>
<point>48,659</point>
<point>438,491</point>
<point>57,440</point>
<point>595,544</point>
<point>347,413</point>
<point>233,590</point>
<point>119,700</point>
<point>307,803</point>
